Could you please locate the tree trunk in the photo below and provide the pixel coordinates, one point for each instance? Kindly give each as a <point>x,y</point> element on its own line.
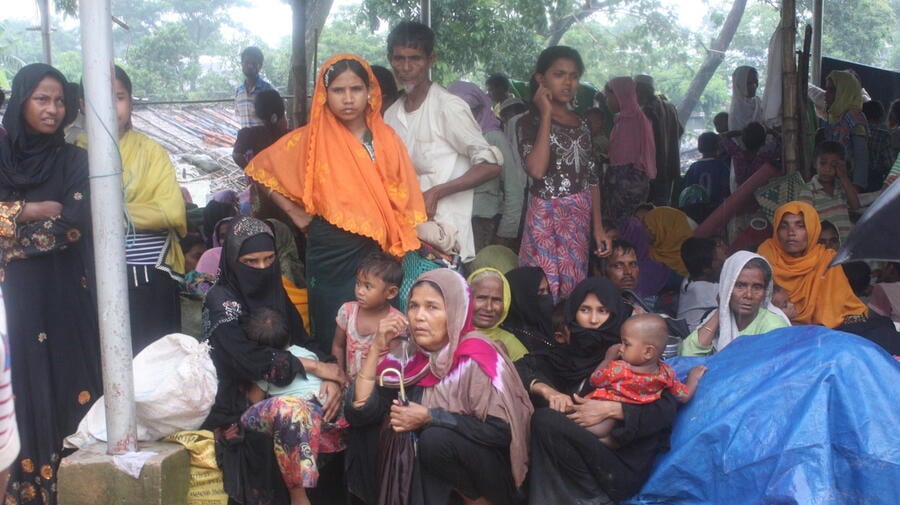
<point>298,61</point>
<point>560,26</point>
<point>714,56</point>
<point>44,7</point>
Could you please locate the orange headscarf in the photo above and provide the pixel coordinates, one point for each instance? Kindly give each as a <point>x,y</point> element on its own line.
<point>670,228</point>
<point>328,171</point>
<point>821,295</point>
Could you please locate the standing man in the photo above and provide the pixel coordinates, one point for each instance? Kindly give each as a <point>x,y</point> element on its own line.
<point>445,143</point>
<point>667,132</point>
<point>244,110</point>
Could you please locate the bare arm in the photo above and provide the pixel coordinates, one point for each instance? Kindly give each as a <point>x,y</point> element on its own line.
<point>339,347</point>
<point>849,187</point>
<point>538,160</point>
<point>389,328</point>
<point>706,333</point>
<point>295,211</point>
<point>477,174</point>
<point>604,247</point>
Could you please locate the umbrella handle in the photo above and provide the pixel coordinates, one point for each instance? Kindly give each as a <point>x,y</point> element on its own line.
<point>399,374</point>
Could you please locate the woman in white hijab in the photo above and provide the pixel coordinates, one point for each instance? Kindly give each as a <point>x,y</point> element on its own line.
<point>745,306</point>
<point>746,107</point>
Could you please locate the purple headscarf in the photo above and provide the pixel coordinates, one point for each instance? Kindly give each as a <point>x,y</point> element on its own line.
<point>479,102</point>
<point>654,274</point>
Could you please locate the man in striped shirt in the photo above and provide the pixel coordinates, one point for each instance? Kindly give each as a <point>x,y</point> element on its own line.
<point>244,95</point>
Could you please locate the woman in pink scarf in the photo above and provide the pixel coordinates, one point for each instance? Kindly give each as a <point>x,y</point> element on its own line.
<point>632,152</point>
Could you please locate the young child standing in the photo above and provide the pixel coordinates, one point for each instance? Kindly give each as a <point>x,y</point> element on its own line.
<point>378,280</point>
<point>639,376</point>
<point>831,191</point>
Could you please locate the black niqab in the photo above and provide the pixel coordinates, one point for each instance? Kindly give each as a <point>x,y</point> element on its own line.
<point>530,316</point>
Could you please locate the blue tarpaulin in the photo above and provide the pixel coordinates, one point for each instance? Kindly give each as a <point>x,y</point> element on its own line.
<point>802,415</point>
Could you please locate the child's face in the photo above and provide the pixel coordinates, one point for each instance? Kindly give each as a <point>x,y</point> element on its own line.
<point>828,164</point>
<point>591,313</point>
<point>829,239</point>
<point>635,351</point>
<point>781,300</point>
<point>372,292</point>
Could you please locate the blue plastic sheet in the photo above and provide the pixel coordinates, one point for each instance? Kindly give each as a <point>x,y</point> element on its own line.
<point>802,415</point>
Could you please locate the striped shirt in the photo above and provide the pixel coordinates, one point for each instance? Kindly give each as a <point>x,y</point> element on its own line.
<point>9,434</point>
<point>244,108</point>
<point>144,248</point>
<point>830,208</point>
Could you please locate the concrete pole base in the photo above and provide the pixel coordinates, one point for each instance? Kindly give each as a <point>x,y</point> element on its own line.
<point>89,477</point>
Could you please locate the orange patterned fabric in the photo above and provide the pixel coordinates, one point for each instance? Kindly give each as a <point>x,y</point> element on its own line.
<point>328,171</point>
<point>822,295</point>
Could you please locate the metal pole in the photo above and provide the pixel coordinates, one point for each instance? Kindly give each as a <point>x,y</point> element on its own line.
<point>790,121</point>
<point>816,63</point>
<point>44,7</point>
<point>107,209</point>
<point>426,12</point>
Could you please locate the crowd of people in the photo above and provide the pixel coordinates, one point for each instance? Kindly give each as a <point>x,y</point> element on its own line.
<point>467,295</point>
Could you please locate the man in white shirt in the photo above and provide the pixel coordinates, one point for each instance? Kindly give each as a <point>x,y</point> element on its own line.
<point>445,143</point>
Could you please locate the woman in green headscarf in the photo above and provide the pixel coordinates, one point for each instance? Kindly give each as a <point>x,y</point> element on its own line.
<point>491,299</point>
<point>846,123</point>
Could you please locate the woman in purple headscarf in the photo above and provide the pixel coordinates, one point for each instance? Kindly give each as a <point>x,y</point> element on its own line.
<point>489,204</point>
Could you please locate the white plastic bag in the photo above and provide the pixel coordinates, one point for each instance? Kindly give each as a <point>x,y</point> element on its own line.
<point>174,389</point>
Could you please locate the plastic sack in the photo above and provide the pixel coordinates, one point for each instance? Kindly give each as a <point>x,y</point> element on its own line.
<point>206,487</point>
<point>796,416</point>
<point>174,389</point>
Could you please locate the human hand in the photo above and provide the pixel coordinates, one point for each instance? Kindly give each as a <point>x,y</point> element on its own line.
<point>614,352</point>
<point>330,394</point>
<point>695,373</point>
<point>559,402</point>
<point>588,412</point>
<point>389,328</point>
<point>840,169</point>
<point>254,394</point>
<point>38,211</point>
<point>432,197</point>
<point>409,417</point>
<point>604,244</point>
<point>543,100</point>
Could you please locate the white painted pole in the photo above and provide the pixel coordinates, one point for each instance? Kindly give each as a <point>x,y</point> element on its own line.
<point>816,57</point>
<point>107,210</point>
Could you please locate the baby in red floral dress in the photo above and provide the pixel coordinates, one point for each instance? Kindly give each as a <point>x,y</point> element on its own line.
<point>639,376</point>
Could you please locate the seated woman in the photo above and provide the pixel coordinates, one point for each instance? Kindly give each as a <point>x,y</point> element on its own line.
<point>250,280</point>
<point>745,306</point>
<point>491,298</point>
<point>574,466</point>
<point>467,407</point>
<point>530,316</point>
<point>821,294</point>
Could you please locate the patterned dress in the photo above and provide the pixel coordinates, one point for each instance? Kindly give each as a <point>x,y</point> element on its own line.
<point>618,382</point>
<point>557,231</point>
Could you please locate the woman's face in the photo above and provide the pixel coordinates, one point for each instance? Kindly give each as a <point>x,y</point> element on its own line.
<point>792,234</point>
<point>611,101</point>
<point>487,301</point>
<point>45,109</point>
<point>427,318</point>
<point>561,79</point>
<point>544,287</point>
<point>752,83</point>
<point>748,293</point>
<point>591,313</point>
<point>123,107</point>
<point>258,260</point>
<point>347,97</point>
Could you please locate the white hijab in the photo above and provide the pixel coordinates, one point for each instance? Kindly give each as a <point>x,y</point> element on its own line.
<point>744,110</point>
<point>732,268</point>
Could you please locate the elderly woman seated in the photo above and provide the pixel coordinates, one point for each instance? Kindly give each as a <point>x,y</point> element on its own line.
<point>745,306</point>
<point>457,398</point>
<point>821,294</point>
<point>491,299</point>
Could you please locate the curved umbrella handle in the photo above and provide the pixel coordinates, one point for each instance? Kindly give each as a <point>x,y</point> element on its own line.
<point>399,374</point>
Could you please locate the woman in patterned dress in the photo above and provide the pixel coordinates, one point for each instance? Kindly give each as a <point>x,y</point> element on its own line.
<point>564,203</point>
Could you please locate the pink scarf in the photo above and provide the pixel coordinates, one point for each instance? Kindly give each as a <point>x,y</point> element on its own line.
<point>631,140</point>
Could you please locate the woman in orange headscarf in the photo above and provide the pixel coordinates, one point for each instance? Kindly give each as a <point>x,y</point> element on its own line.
<point>821,294</point>
<point>347,181</point>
